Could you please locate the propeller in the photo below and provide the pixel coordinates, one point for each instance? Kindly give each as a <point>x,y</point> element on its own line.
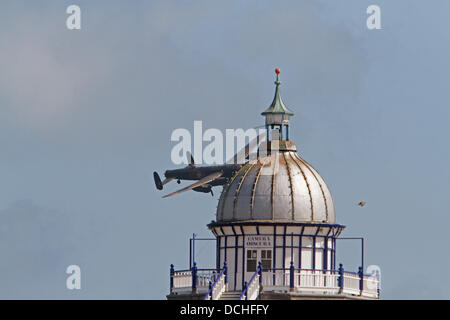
<point>190,159</point>
<point>200,182</point>
<point>244,152</point>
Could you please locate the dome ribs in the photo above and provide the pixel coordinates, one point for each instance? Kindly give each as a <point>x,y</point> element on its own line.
<point>224,195</point>
<point>274,172</point>
<point>236,194</point>
<point>261,190</point>
<point>252,198</point>
<point>320,185</point>
<point>307,185</point>
<point>291,186</point>
<point>221,203</point>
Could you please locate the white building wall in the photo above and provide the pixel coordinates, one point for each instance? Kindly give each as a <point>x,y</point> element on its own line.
<point>237,257</point>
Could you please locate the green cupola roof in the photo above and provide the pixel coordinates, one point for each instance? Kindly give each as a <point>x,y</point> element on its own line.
<point>277,106</point>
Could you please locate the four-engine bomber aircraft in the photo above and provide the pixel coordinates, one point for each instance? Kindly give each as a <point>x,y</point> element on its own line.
<point>207,176</point>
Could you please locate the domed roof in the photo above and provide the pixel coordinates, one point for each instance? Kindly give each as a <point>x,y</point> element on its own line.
<point>278,187</point>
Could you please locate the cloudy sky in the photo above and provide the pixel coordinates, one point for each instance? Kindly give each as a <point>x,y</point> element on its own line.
<point>86,117</point>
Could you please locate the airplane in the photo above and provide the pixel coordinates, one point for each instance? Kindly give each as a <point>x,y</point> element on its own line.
<point>207,176</point>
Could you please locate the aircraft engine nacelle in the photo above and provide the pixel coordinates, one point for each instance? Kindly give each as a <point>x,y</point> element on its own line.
<point>204,189</point>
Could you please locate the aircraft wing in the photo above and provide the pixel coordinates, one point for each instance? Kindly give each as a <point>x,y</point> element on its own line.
<point>200,182</point>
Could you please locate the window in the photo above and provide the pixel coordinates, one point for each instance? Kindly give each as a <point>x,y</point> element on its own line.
<point>266,259</point>
<point>251,260</point>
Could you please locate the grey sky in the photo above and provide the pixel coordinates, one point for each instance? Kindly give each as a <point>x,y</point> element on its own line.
<point>86,116</point>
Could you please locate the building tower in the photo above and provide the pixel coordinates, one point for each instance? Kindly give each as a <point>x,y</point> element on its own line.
<point>275,231</point>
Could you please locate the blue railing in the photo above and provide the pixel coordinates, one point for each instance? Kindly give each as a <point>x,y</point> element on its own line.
<point>193,278</point>
<point>221,280</point>
<point>346,282</point>
<point>253,285</point>
<point>333,281</point>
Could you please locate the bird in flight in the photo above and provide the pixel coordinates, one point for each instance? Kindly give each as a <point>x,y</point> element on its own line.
<point>362,203</point>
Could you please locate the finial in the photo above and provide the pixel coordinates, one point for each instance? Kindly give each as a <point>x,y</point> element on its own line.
<point>277,106</point>
<point>277,71</point>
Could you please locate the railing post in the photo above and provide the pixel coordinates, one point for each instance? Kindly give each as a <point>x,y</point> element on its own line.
<point>260,268</point>
<point>225,267</point>
<point>361,279</point>
<point>246,290</point>
<point>172,272</point>
<point>341,278</point>
<point>291,276</point>
<point>194,278</point>
<point>209,290</point>
<point>378,283</point>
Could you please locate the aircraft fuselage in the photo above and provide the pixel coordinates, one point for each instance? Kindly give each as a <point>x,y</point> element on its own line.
<point>197,173</point>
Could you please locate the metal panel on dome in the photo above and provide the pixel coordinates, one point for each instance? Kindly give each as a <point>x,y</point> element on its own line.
<point>262,208</point>
<point>282,193</point>
<point>331,217</point>
<point>230,193</point>
<point>317,198</point>
<point>221,203</point>
<point>242,206</point>
<point>302,201</point>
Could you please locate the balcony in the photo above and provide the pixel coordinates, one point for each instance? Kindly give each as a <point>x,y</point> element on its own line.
<point>290,280</point>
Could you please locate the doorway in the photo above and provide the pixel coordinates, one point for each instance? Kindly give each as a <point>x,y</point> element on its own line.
<point>256,255</point>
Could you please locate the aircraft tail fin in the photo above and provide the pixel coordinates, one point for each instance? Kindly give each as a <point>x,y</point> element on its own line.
<point>158,183</point>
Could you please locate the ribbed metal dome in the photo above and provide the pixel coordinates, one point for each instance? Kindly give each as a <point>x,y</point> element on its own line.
<point>278,187</point>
